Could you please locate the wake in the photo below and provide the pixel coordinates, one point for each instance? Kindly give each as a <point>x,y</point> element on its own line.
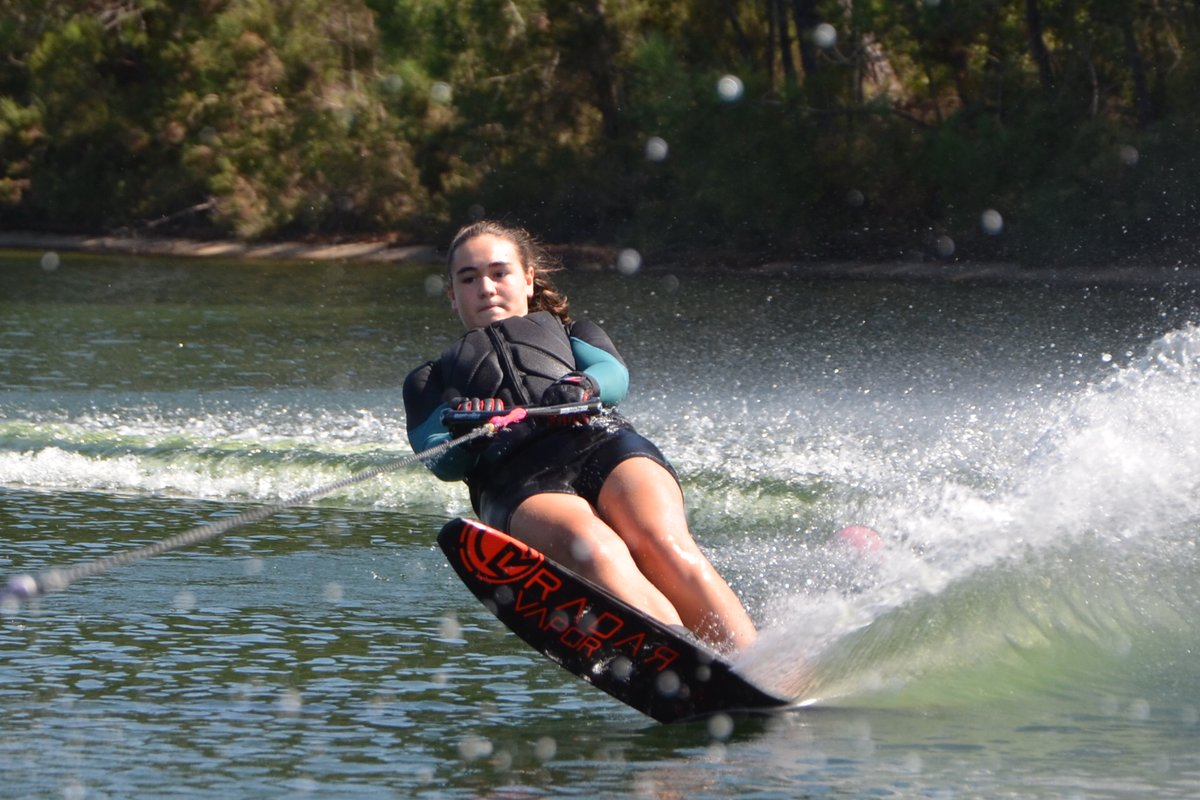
<point>1073,574</point>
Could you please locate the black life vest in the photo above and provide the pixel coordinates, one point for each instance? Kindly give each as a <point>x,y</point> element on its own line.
<point>514,359</point>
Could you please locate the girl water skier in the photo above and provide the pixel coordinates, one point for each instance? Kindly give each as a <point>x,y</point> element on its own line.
<point>597,497</point>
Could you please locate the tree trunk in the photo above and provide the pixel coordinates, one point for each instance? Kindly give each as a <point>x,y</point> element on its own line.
<point>1037,44</point>
<point>805,13</point>
<point>1137,70</point>
<point>739,33</point>
<point>785,43</point>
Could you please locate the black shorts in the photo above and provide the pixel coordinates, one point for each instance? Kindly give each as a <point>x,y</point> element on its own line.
<point>575,460</point>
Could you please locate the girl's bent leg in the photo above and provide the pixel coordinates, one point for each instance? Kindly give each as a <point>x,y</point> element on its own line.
<point>566,529</point>
<point>642,502</point>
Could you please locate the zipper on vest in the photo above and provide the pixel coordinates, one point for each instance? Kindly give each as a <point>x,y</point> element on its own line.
<point>510,369</point>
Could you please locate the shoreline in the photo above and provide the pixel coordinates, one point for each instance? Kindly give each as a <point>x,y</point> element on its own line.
<point>600,258</point>
<point>361,250</point>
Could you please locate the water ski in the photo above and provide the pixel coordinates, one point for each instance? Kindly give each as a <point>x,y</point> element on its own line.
<point>605,641</point>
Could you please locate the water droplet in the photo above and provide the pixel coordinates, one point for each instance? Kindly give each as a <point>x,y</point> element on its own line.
<point>473,748</point>
<point>1129,155</point>
<point>581,551</point>
<point>50,261</point>
<point>392,84</point>
<point>503,596</point>
<point>440,92</point>
<point>667,683</point>
<point>503,760</point>
<point>656,149</point>
<point>621,668</point>
<point>545,748</point>
<point>629,261</point>
<point>449,628</point>
<point>730,88</point>
<point>824,36</point>
<point>992,222</point>
<point>1139,710</point>
<point>720,727</point>
<point>435,285</point>
<point>183,601</point>
<point>290,702</point>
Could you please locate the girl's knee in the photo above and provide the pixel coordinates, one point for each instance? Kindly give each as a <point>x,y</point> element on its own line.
<point>595,544</point>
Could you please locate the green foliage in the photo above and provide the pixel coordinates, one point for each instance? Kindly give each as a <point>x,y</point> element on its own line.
<point>283,128</point>
<point>262,118</point>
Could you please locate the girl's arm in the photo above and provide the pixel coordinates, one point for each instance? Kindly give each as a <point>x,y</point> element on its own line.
<point>423,407</point>
<point>596,355</point>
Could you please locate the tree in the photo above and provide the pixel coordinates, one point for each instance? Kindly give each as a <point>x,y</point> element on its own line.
<point>266,118</point>
<point>1037,44</point>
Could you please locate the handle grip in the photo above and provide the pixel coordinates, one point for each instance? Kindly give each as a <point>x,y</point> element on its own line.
<point>454,417</point>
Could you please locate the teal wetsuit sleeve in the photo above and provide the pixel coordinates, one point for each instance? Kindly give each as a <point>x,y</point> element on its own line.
<point>604,367</point>
<point>452,465</point>
<point>423,407</point>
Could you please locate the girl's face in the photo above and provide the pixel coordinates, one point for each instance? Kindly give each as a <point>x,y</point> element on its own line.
<point>488,282</point>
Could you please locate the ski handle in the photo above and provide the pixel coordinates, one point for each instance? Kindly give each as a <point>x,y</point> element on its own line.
<point>501,418</point>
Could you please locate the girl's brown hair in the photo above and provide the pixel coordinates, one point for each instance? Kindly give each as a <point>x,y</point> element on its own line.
<point>533,257</point>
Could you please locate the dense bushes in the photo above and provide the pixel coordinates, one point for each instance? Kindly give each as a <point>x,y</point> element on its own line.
<point>789,128</point>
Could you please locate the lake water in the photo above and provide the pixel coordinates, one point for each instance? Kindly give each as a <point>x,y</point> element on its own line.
<point>1031,457</point>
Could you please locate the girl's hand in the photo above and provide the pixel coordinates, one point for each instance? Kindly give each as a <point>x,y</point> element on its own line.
<point>574,387</point>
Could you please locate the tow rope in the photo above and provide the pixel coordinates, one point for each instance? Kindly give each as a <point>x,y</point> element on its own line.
<point>22,588</point>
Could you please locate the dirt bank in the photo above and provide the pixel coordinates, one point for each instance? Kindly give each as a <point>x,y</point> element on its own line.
<point>604,258</point>
<point>151,246</point>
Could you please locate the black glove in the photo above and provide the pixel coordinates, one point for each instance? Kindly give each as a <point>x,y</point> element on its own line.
<point>574,387</point>
<point>489,404</point>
